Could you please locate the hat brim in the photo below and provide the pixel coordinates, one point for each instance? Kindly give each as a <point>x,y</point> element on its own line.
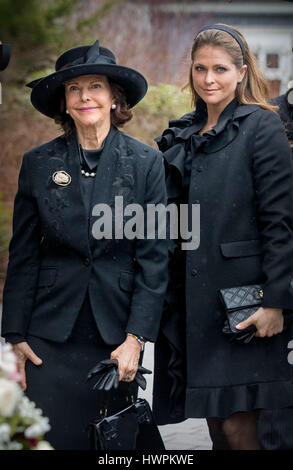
<point>46,94</point>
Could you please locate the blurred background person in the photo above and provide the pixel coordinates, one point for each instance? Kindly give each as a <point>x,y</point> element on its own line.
<point>275,427</point>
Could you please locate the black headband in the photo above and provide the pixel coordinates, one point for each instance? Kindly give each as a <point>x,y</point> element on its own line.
<point>227,30</point>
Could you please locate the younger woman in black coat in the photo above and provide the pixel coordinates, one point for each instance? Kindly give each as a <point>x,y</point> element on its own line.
<point>232,157</point>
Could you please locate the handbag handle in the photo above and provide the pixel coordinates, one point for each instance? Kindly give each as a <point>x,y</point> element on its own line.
<point>108,395</point>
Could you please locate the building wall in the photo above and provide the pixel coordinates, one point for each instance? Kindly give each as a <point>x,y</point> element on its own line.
<point>266,25</point>
<point>273,47</point>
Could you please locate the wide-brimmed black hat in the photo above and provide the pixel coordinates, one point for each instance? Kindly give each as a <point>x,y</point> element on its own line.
<point>85,60</point>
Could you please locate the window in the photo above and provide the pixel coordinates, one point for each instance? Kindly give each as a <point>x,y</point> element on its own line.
<point>273,61</point>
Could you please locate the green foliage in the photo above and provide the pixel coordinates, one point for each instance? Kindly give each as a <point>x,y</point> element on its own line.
<point>18,18</point>
<point>31,21</point>
<point>153,113</point>
<point>59,8</point>
<point>165,101</point>
<point>34,22</point>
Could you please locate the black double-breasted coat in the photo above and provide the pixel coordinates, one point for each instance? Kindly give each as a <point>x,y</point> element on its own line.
<point>55,259</point>
<point>241,174</point>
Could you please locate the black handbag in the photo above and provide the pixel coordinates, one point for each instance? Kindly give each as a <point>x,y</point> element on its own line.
<point>240,303</point>
<point>132,428</point>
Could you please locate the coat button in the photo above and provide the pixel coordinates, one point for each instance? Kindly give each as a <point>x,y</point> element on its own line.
<point>199,169</point>
<point>86,261</point>
<point>194,272</point>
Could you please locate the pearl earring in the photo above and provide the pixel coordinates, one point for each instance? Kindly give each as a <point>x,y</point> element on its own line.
<point>67,112</point>
<point>113,106</point>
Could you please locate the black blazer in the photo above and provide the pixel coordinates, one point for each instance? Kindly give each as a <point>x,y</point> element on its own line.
<point>53,260</point>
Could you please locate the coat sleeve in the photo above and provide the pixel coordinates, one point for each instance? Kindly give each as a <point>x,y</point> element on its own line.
<point>152,260</point>
<point>24,260</point>
<point>273,179</point>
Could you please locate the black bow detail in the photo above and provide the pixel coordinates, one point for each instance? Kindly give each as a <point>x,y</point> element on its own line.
<point>92,53</point>
<point>92,56</point>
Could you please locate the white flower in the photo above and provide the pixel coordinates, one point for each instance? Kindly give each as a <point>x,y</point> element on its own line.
<point>9,395</point>
<point>33,431</point>
<point>27,409</point>
<point>8,363</point>
<point>15,406</point>
<point>43,445</point>
<point>7,357</point>
<point>37,429</point>
<point>4,432</point>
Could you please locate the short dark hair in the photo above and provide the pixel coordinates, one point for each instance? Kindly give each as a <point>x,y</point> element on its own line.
<point>119,116</point>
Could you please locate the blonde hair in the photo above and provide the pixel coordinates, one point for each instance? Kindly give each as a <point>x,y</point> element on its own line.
<point>254,88</point>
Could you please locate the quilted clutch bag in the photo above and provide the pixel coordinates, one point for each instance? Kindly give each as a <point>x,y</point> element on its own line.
<point>240,303</point>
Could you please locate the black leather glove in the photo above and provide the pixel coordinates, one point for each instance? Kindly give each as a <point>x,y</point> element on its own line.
<point>107,375</point>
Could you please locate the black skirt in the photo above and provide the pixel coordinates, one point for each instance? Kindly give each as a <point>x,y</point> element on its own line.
<point>59,385</point>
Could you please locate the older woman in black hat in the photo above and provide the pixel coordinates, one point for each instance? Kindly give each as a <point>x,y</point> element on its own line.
<point>72,296</point>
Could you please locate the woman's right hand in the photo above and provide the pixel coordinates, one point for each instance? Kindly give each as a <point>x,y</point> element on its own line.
<point>23,352</point>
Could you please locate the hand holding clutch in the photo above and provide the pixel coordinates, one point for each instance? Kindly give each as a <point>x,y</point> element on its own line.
<point>239,304</point>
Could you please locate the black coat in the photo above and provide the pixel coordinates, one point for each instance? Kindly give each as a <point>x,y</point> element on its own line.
<point>53,261</point>
<point>286,114</point>
<point>241,174</point>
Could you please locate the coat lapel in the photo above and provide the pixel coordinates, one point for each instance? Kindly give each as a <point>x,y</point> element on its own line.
<point>103,190</point>
<point>76,218</point>
<point>104,185</point>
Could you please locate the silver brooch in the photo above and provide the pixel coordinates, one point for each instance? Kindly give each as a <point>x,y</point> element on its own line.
<point>61,177</point>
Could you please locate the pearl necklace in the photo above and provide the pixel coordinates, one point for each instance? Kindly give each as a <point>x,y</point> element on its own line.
<point>83,172</point>
<point>86,173</point>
